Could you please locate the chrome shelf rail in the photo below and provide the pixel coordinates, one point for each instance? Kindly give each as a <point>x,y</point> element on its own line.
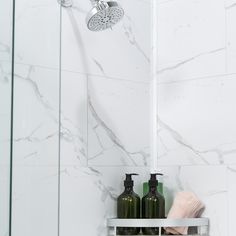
<point>202,224</point>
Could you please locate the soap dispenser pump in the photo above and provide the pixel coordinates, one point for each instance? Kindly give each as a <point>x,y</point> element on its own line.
<point>128,206</point>
<point>153,205</point>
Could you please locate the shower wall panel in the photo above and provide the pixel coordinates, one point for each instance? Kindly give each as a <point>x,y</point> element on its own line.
<point>196,103</point>
<point>36,118</point>
<point>105,113</point>
<point>99,82</point>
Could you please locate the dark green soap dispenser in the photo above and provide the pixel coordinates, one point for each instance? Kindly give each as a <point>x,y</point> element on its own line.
<point>153,205</point>
<point>128,206</point>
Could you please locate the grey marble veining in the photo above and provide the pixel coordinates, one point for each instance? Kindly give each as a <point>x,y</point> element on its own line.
<point>196,81</point>
<point>220,152</point>
<point>179,64</point>
<point>4,48</point>
<point>4,73</point>
<point>27,78</point>
<point>180,140</point>
<point>69,131</point>
<point>106,184</point>
<point>97,51</point>
<point>218,149</point>
<point>128,31</point>
<point>114,139</point>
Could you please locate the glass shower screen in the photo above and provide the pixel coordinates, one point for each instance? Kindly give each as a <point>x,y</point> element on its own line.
<point>6,41</point>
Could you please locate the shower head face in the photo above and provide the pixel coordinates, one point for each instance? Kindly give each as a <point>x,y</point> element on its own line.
<point>104,15</point>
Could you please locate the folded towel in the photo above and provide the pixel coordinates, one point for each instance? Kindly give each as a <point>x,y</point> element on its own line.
<point>186,205</point>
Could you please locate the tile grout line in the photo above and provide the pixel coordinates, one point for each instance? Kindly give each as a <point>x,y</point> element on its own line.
<point>85,74</point>
<point>214,77</point>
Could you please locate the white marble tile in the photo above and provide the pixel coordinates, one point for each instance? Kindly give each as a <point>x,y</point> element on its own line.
<point>37,32</point>
<point>196,122</point>
<point>5,135</point>
<point>88,197</point>
<point>5,85</point>
<point>209,64</point>
<point>36,116</point>
<point>5,197</point>
<point>191,42</point>
<point>6,30</point>
<point>231,37</point>
<point>231,198</point>
<point>5,112</point>
<point>73,119</point>
<point>123,52</point>
<point>35,201</point>
<point>118,131</point>
<point>210,185</point>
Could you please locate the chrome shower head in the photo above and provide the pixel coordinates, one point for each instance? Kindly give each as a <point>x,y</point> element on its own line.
<point>104,15</point>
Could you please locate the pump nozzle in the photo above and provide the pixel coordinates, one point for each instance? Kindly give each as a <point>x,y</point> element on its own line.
<point>153,179</point>
<point>128,181</point>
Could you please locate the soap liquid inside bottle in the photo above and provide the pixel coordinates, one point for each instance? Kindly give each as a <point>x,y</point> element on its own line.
<point>153,206</point>
<point>128,207</point>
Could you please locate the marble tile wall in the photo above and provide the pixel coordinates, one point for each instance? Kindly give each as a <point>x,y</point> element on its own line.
<point>5,111</point>
<point>196,108</point>
<point>81,116</point>
<point>5,127</point>
<point>35,185</point>
<point>82,109</point>
<point>105,114</point>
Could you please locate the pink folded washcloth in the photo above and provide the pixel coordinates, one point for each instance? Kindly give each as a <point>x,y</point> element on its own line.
<point>186,205</point>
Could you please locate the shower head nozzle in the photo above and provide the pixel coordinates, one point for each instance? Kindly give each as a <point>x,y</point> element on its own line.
<point>104,15</point>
